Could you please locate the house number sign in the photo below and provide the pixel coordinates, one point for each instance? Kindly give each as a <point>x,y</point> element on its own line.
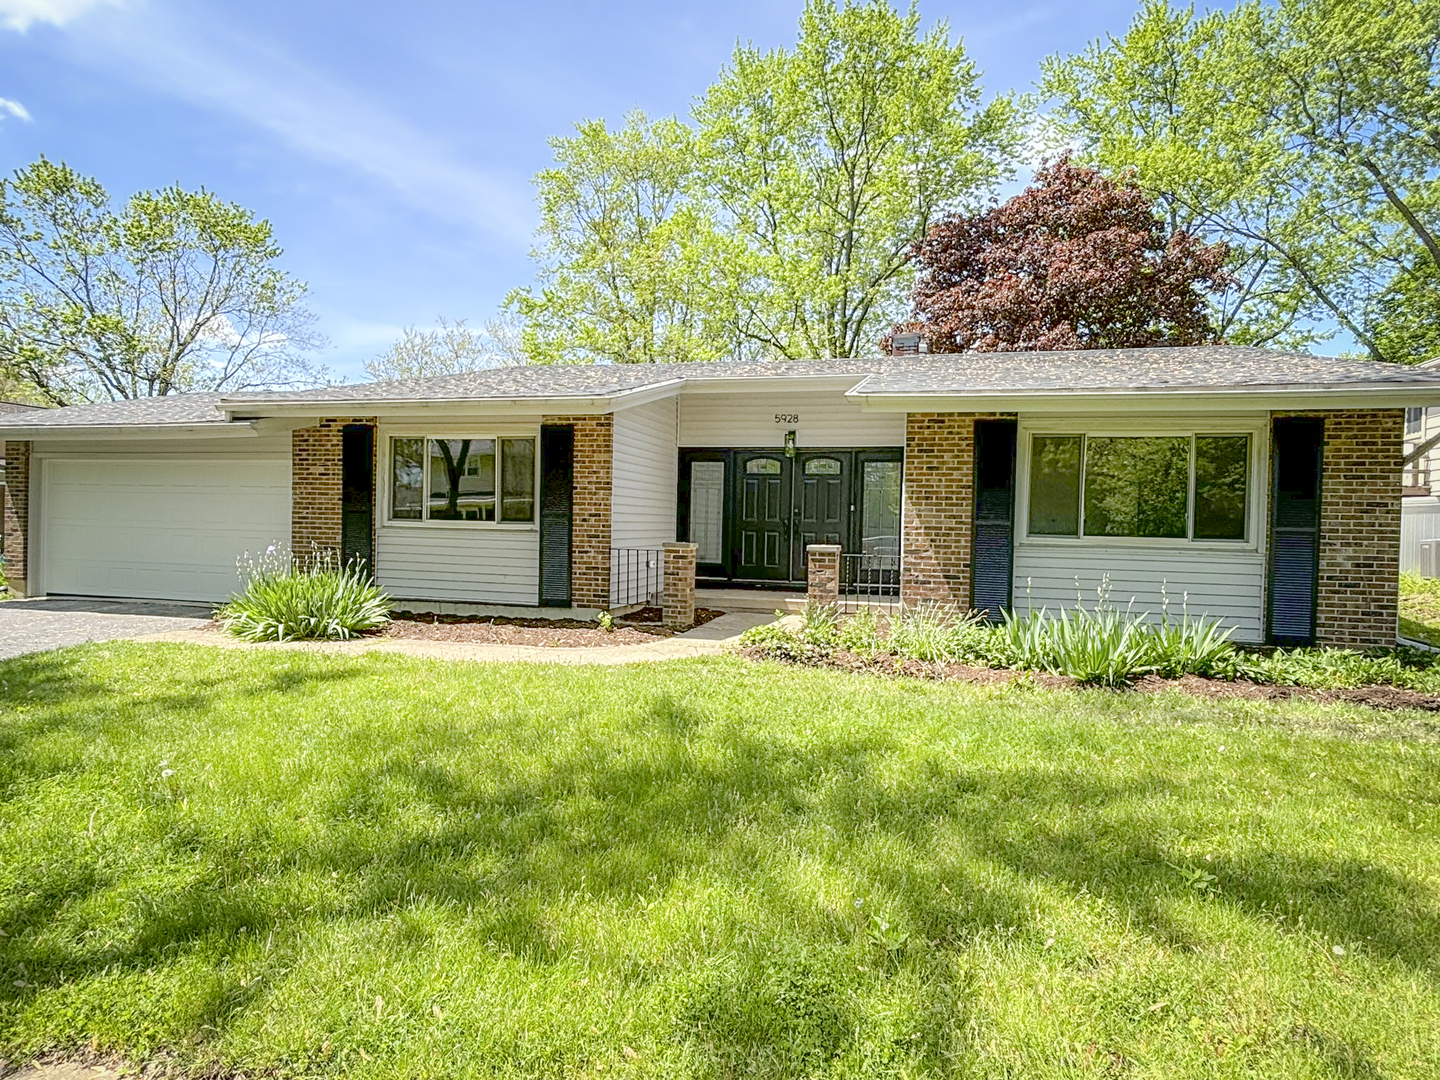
<point>787,418</point>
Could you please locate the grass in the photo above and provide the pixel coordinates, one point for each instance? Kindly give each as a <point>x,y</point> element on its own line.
<point>296,864</point>
<point>1420,608</point>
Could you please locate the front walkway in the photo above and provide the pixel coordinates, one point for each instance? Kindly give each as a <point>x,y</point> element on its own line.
<point>31,626</point>
<point>707,640</point>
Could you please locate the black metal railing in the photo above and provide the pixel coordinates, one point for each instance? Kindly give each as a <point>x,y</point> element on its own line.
<point>870,581</point>
<point>637,576</point>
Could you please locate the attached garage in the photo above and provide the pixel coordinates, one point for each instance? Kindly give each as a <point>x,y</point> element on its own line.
<point>165,528</point>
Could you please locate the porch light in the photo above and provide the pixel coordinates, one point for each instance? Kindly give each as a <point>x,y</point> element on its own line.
<point>789,444</point>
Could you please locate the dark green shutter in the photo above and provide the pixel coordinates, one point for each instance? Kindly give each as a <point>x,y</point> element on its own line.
<point>1295,529</point>
<point>357,495</point>
<point>991,563</point>
<point>557,471</point>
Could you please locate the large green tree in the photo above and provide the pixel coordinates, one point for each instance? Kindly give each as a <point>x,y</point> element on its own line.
<point>1304,133</point>
<point>171,291</point>
<point>778,221</point>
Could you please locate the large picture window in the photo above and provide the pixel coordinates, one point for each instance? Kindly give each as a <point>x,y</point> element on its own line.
<point>1174,487</point>
<point>476,479</point>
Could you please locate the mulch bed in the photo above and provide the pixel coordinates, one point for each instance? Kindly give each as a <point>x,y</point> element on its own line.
<point>1378,697</point>
<point>637,628</point>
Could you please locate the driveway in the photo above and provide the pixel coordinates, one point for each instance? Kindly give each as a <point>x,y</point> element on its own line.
<point>31,626</point>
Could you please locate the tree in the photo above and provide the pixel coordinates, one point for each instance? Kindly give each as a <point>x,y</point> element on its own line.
<point>448,349</point>
<point>1076,261</point>
<point>777,223</point>
<point>173,291</point>
<point>629,255</point>
<point>1303,133</point>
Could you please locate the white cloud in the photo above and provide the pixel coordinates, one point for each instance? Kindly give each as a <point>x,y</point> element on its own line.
<point>20,14</point>
<point>10,108</point>
<point>321,118</point>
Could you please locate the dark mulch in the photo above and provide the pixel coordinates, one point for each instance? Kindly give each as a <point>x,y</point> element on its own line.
<point>1378,697</point>
<point>638,628</point>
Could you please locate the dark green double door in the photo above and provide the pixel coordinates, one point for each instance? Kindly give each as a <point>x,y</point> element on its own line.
<point>785,504</point>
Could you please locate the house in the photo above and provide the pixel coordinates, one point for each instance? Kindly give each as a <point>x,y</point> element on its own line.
<point>1420,507</point>
<point>1261,487</point>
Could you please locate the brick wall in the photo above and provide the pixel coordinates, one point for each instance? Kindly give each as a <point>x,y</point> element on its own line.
<point>1358,591</point>
<point>937,525</point>
<point>315,488</point>
<point>822,575</point>
<point>17,514</point>
<point>590,522</point>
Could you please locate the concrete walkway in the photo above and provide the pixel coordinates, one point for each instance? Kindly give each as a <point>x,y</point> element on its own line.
<point>31,626</point>
<point>707,640</point>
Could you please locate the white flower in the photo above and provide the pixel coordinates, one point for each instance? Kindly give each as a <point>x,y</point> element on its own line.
<point>166,774</point>
<point>1338,950</point>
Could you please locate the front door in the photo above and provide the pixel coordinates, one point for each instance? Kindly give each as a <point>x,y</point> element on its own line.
<point>762,521</point>
<point>821,507</point>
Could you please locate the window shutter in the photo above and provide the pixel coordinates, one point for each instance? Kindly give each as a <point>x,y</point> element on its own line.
<point>357,496</point>
<point>991,560</point>
<point>557,452</point>
<point>1296,470</point>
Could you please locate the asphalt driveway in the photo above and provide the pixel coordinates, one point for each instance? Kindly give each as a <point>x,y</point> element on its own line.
<point>31,626</point>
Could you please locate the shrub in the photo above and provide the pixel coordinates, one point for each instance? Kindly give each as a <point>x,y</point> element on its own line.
<point>287,599</point>
<point>860,634</point>
<point>1106,647</point>
<point>938,634</point>
<point>1193,645</point>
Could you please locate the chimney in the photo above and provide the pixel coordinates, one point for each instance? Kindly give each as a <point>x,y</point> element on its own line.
<point>908,345</point>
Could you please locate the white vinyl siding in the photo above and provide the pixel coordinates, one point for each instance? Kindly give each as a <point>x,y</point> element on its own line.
<point>644,476</point>
<point>441,561</point>
<point>642,499</point>
<point>1229,586</point>
<point>748,420</point>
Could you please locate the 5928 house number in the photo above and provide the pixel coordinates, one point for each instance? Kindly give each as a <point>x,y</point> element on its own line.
<point>787,418</point>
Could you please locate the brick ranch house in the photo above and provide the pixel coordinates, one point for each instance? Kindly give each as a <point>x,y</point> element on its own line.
<point>1260,487</point>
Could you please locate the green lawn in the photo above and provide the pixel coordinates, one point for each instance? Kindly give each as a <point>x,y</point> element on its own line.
<point>1420,608</point>
<point>295,864</point>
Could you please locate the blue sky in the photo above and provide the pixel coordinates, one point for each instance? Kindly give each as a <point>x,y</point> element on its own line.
<point>392,145</point>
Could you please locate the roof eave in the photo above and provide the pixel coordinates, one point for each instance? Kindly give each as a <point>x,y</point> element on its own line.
<point>207,428</point>
<point>390,406</point>
<point>1259,398</point>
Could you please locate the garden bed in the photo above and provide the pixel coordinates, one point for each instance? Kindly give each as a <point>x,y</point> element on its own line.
<point>1379,697</point>
<point>637,628</point>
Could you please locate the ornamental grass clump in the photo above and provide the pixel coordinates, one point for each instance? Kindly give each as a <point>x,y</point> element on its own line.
<point>941,635</point>
<point>290,599</point>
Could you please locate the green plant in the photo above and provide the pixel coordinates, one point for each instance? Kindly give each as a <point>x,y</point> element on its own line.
<point>288,599</point>
<point>1334,669</point>
<point>938,634</point>
<point>606,621</point>
<point>820,624</point>
<point>860,634</point>
<point>1192,645</point>
<point>1105,647</point>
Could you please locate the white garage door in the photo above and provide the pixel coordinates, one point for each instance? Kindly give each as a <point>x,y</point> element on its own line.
<point>158,528</point>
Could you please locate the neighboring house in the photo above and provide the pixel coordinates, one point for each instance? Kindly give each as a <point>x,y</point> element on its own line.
<point>1260,487</point>
<point>1420,517</point>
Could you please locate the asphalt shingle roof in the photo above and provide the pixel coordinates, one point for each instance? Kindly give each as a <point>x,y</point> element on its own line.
<point>1199,368</point>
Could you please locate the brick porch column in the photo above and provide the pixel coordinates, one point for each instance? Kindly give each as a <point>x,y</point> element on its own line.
<point>590,508</point>
<point>822,577</point>
<point>316,491</point>
<point>17,515</point>
<point>678,593</point>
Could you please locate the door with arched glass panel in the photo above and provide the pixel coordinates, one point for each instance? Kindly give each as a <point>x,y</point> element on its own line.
<point>762,520</point>
<point>822,505</point>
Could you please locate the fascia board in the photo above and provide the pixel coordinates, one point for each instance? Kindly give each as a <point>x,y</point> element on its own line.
<point>234,430</point>
<point>1377,397</point>
<point>428,406</point>
<point>726,384</point>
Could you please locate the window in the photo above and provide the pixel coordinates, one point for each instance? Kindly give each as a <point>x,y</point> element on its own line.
<point>825,466</point>
<point>455,480</point>
<point>1414,420</point>
<point>1173,487</point>
<point>763,466</point>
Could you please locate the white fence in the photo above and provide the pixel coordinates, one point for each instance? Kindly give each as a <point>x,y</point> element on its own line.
<point>1419,521</point>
